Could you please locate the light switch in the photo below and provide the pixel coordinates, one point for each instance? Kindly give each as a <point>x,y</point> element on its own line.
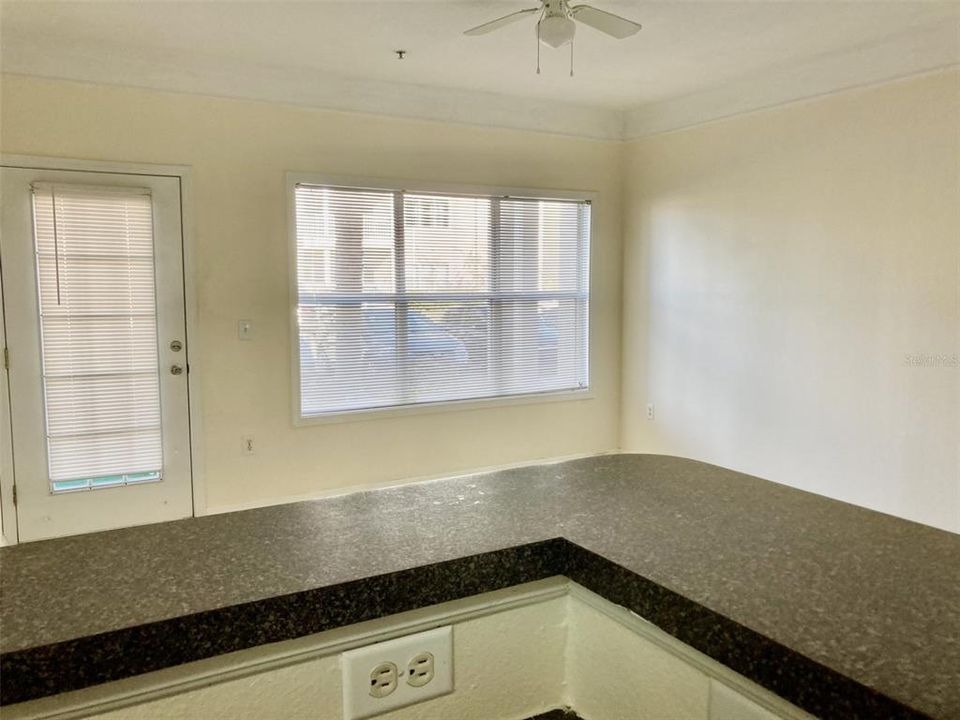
<point>245,329</point>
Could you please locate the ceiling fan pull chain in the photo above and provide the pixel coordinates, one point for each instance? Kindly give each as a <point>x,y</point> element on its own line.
<point>538,47</point>
<point>571,58</point>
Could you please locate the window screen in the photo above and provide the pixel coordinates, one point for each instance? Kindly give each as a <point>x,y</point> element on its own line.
<point>98,326</point>
<point>409,298</point>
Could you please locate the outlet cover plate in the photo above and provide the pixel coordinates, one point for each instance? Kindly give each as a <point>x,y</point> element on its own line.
<point>356,666</point>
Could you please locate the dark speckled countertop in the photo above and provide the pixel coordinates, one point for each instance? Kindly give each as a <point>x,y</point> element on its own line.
<point>846,612</point>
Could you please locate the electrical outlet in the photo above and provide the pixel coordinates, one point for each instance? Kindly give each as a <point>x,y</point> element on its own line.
<point>420,669</point>
<point>651,411</point>
<point>383,680</point>
<point>246,445</point>
<point>392,674</point>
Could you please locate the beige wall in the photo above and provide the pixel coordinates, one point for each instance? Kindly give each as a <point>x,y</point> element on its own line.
<point>780,266</point>
<point>239,152</point>
<point>619,667</point>
<point>616,675</point>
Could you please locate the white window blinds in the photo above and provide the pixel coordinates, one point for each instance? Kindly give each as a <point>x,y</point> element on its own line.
<point>407,298</point>
<point>98,325</point>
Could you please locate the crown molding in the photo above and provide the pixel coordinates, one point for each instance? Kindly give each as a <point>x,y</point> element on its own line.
<point>312,88</point>
<point>906,55</point>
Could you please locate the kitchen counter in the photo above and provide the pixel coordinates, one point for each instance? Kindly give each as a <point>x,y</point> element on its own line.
<point>845,612</point>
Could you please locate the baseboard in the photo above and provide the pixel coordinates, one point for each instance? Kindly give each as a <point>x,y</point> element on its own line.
<point>398,482</point>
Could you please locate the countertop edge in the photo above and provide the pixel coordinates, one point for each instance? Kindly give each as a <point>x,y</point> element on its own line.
<point>41,671</point>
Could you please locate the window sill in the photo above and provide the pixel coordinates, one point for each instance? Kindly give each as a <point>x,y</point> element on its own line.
<point>443,407</point>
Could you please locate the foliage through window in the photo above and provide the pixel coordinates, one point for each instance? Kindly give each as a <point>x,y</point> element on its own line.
<point>410,298</point>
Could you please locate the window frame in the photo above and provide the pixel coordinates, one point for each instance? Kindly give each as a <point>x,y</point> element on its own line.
<point>418,186</point>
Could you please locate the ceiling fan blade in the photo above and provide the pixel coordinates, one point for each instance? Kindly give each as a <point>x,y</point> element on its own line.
<point>500,22</point>
<point>605,22</point>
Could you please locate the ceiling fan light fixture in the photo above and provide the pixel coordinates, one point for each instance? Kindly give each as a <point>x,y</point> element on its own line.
<point>556,30</point>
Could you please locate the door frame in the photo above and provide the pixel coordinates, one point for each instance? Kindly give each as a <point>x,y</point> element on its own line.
<point>9,534</point>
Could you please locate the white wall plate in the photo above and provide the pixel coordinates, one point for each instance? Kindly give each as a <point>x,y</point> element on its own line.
<point>392,674</point>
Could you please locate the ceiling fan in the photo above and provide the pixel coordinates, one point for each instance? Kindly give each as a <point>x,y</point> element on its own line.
<point>557,24</point>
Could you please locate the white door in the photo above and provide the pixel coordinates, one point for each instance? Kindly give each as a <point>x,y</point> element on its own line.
<point>92,269</point>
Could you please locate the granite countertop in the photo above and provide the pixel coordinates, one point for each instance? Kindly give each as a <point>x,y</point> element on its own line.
<point>845,612</point>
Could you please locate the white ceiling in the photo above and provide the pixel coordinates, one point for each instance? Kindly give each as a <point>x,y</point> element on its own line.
<point>692,62</point>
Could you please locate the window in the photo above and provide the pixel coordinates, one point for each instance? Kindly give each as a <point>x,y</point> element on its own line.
<point>427,211</point>
<point>98,329</point>
<point>406,298</point>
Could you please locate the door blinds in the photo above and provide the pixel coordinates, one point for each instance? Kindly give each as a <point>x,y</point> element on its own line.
<point>98,325</point>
